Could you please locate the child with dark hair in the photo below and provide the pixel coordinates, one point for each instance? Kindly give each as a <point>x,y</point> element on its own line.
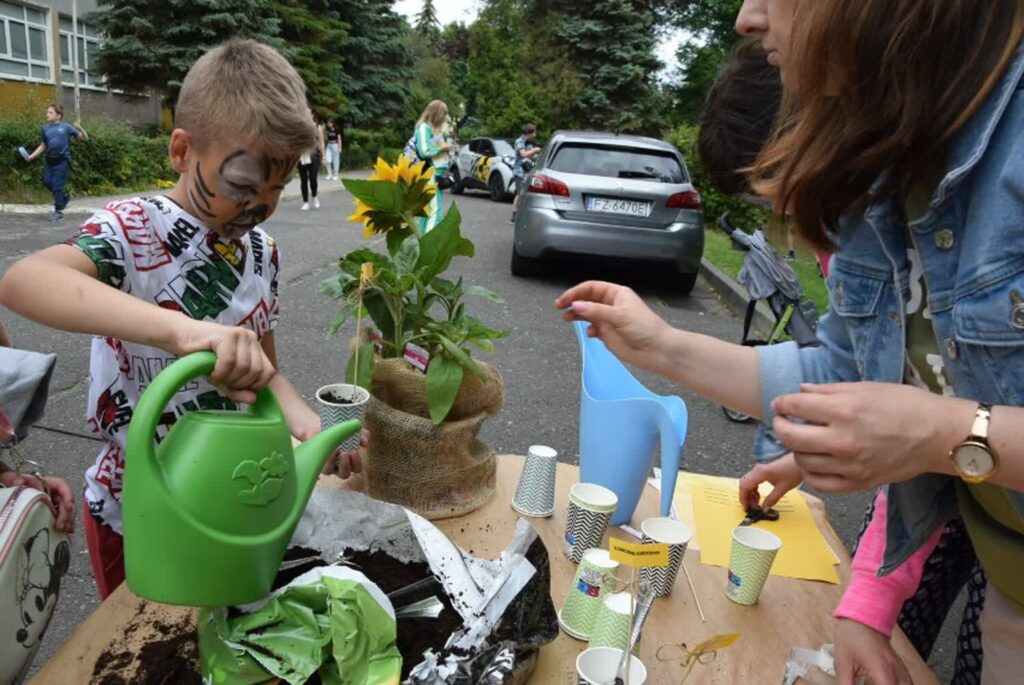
<point>56,137</point>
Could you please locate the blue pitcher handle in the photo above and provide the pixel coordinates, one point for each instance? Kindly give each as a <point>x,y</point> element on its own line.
<point>670,450</point>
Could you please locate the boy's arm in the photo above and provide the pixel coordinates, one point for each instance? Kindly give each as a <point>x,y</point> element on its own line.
<point>5,338</point>
<point>82,135</point>
<point>38,151</point>
<point>303,421</point>
<point>58,287</point>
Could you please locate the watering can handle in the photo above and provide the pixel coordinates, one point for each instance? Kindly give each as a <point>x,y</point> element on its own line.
<point>161,391</point>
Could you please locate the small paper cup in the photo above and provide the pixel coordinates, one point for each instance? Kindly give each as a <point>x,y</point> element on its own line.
<point>592,581</point>
<point>597,667</point>
<point>666,531</point>
<point>590,512</point>
<point>535,494</point>
<point>332,413</point>
<point>753,552</point>
<point>611,622</point>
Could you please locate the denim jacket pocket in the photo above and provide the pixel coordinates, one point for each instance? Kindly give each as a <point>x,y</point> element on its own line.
<point>856,299</point>
<point>989,328</point>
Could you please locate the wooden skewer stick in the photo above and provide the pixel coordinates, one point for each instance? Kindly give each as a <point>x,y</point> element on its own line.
<point>692,591</point>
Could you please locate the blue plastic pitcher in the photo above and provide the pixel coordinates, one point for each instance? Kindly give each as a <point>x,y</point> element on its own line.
<point>620,420</point>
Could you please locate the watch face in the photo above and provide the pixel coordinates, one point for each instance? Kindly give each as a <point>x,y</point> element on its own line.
<point>974,461</point>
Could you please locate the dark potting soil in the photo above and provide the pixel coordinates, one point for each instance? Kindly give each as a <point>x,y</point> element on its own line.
<point>335,398</point>
<point>170,656</point>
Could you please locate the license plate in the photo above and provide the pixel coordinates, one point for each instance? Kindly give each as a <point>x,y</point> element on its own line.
<point>613,206</point>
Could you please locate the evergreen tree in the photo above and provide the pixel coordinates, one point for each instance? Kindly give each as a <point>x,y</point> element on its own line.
<point>427,24</point>
<point>712,25</point>
<point>612,43</point>
<point>150,45</point>
<point>376,63</point>
<point>312,33</point>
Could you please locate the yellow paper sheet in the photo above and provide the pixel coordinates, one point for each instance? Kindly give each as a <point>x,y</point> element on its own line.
<point>716,511</point>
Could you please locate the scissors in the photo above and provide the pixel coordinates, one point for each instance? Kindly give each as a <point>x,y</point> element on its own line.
<point>756,513</point>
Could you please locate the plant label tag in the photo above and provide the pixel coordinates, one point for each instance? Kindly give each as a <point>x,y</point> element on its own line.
<point>378,341</point>
<point>417,357</point>
<point>638,555</point>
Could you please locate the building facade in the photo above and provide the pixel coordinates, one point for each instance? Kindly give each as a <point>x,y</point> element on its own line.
<point>37,63</point>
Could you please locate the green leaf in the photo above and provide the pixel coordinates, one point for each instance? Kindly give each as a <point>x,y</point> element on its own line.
<point>396,237</point>
<point>379,312</point>
<point>439,246</point>
<point>444,378</point>
<point>407,256</point>
<point>364,374</point>
<point>480,291</point>
<point>461,355</point>
<point>383,195</point>
<point>344,312</point>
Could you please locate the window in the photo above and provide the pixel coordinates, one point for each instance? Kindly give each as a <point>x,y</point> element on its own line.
<point>87,44</point>
<point>618,162</point>
<point>24,41</point>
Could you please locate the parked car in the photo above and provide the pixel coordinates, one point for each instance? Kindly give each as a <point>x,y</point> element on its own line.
<point>486,164</point>
<point>610,195</point>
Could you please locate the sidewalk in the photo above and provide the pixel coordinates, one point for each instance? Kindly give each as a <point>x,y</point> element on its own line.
<point>90,204</point>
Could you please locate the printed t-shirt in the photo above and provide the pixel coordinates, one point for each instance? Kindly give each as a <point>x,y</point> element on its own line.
<point>57,137</point>
<point>154,250</point>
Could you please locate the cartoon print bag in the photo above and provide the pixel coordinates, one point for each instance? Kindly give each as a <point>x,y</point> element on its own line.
<point>33,560</point>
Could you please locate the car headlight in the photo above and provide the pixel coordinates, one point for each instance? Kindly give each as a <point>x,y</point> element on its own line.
<point>510,161</point>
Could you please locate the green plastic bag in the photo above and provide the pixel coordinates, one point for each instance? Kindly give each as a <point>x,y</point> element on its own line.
<point>332,620</point>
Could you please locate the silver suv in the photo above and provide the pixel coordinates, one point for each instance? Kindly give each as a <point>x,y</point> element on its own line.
<point>610,195</point>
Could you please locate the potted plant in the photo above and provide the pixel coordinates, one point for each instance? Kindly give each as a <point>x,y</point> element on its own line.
<point>428,395</point>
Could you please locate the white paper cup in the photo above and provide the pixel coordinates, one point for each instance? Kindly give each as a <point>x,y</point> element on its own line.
<point>590,512</point>
<point>666,531</point>
<point>753,552</point>
<point>332,414</point>
<point>597,667</point>
<point>611,621</point>
<point>535,494</point>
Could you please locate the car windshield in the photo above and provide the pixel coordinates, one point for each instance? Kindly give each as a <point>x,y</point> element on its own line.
<point>502,148</point>
<point>618,162</point>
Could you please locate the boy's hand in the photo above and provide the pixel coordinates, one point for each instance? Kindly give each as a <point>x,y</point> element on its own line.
<point>62,501</point>
<point>862,651</point>
<point>242,366</point>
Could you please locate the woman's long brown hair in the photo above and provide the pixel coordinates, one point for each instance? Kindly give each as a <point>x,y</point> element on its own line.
<point>877,86</point>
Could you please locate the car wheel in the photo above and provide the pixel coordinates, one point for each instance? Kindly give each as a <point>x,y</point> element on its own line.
<point>735,416</point>
<point>457,188</point>
<point>681,283</point>
<point>496,188</point>
<point>524,266</point>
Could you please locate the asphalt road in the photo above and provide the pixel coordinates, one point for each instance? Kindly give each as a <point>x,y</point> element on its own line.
<point>540,361</point>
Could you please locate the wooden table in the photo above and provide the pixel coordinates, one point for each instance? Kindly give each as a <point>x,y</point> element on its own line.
<point>791,613</point>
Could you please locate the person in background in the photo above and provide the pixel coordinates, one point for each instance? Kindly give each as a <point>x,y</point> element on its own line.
<point>527,152</point>
<point>206,280</point>
<point>432,148</point>
<point>735,124</point>
<point>309,169</point>
<point>333,151</point>
<point>898,148</point>
<point>56,145</point>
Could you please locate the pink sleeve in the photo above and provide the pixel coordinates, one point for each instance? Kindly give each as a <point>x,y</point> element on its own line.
<point>876,601</point>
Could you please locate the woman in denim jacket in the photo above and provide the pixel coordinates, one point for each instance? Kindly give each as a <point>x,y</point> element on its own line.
<point>906,158</point>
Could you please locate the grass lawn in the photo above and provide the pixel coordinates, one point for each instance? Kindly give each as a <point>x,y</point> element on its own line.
<point>719,251</point>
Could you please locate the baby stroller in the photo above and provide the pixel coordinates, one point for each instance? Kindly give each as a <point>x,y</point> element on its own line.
<point>767,277</point>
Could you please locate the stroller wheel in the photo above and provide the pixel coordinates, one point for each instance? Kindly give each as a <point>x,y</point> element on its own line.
<point>735,416</point>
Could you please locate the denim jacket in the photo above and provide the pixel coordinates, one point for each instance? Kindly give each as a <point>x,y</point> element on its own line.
<point>971,243</point>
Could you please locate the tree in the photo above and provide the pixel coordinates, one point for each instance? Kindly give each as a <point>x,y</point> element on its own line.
<point>312,32</point>
<point>711,24</point>
<point>150,45</point>
<point>427,24</point>
<point>376,63</point>
<point>621,93</point>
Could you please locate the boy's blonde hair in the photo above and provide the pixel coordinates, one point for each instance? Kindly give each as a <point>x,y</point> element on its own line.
<point>246,90</point>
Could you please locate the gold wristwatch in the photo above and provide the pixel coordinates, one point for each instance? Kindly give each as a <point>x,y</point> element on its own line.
<point>974,460</point>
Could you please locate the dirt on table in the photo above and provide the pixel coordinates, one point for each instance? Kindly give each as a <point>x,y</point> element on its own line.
<point>169,654</point>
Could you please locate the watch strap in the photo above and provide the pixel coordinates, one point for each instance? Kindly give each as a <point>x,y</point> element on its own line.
<point>979,429</point>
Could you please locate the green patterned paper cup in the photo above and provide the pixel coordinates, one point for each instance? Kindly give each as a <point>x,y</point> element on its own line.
<point>593,580</point>
<point>753,552</point>
<point>590,512</point>
<point>611,622</point>
<point>597,667</point>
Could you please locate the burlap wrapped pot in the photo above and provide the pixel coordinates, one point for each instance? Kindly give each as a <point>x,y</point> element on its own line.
<point>437,471</point>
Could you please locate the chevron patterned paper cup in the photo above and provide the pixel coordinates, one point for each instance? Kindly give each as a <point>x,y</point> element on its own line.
<point>677,536</point>
<point>611,622</point>
<point>590,511</point>
<point>332,413</point>
<point>535,495</point>
<point>753,552</point>
<point>593,580</point>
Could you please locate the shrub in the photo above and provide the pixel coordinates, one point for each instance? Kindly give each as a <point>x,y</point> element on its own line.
<point>714,201</point>
<point>115,159</point>
<point>362,147</point>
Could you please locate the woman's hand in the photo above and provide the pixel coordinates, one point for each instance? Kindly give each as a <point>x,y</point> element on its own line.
<point>858,436</point>
<point>783,473</point>
<point>620,319</point>
<point>344,464</point>
<point>62,500</point>
<point>862,651</point>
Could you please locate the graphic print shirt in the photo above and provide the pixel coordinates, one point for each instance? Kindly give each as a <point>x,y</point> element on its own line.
<point>152,249</point>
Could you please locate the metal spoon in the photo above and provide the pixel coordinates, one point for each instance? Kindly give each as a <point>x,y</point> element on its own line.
<point>645,597</point>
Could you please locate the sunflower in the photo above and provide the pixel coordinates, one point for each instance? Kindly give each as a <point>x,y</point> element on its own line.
<point>417,182</point>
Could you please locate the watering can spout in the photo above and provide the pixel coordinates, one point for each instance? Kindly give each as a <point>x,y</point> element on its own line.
<point>311,455</point>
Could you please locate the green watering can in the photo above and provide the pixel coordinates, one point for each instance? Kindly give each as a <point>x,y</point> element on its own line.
<point>209,512</point>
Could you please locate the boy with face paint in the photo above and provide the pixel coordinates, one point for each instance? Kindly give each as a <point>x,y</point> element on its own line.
<point>155,278</point>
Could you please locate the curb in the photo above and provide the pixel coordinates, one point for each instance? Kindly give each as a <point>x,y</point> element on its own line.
<point>735,297</point>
